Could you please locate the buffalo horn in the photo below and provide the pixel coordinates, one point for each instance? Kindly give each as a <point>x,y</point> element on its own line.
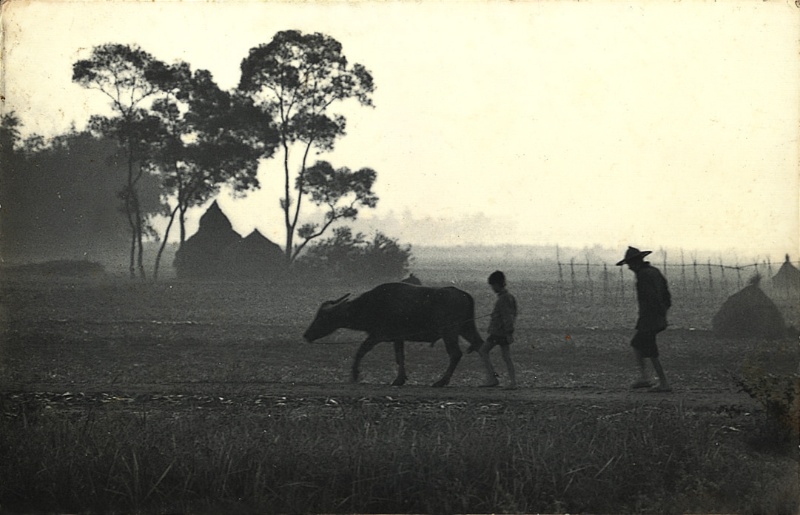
<point>337,301</point>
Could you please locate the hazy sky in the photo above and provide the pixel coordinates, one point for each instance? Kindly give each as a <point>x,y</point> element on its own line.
<point>646,123</point>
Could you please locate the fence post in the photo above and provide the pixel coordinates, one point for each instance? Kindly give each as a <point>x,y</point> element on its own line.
<point>572,275</point>
<point>738,276</point>
<point>589,278</point>
<point>560,274</point>
<point>605,281</point>
<point>710,277</point>
<point>722,273</point>
<point>683,272</point>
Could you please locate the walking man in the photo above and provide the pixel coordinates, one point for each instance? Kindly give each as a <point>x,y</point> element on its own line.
<point>652,294</point>
<point>501,331</point>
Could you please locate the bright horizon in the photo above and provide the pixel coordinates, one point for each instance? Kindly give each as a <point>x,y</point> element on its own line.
<point>659,125</point>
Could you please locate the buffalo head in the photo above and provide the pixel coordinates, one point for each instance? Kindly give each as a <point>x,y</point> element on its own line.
<point>330,317</point>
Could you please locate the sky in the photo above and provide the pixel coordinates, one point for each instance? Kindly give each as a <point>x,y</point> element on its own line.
<point>653,124</point>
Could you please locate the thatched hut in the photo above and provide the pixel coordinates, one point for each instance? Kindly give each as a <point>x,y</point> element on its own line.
<point>254,257</point>
<point>788,276</point>
<point>199,256</point>
<point>749,312</point>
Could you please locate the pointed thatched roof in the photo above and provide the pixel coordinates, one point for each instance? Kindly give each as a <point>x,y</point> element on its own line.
<point>214,220</point>
<point>255,241</point>
<point>788,276</point>
<point>199,255</point>
<point>253,257</point>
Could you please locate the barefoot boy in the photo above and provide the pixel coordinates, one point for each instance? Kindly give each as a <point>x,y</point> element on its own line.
<point>501,331</point>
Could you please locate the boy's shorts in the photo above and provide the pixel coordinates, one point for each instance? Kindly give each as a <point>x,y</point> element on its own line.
<point>645,344</point>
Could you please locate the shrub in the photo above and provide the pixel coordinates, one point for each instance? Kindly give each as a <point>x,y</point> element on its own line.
<point>779,395</point>
<point>353,257</point>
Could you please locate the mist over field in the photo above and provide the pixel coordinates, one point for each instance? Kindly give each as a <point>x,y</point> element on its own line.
<point>535,262</point>
<point>259,365</point>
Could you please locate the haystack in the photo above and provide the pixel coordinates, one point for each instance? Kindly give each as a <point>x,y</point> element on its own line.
<point>412,279</point>
<point>254,257</point>
<point>788,276</point>
<point>749,312</point>
<point>199,256</point>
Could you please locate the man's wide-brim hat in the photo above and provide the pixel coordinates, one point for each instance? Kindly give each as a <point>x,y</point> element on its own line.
<point>633,253</point>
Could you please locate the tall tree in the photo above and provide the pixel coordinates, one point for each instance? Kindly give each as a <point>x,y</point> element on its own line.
<point>298,77</point>
<point>207,140</point>
<point>123,73</point>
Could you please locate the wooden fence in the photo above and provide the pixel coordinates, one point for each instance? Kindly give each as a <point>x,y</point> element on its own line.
<point>605,280</point>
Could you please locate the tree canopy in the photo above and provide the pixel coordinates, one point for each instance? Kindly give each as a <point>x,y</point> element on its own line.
<point>298,77</point>
<point>173,138</point>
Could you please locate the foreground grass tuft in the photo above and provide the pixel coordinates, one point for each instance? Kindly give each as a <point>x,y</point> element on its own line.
<point>366,457</point>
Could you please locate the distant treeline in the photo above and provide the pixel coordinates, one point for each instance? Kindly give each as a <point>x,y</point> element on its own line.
<point>60,200</point>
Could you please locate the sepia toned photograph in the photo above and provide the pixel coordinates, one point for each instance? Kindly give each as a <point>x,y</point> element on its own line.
<point>399,256</point>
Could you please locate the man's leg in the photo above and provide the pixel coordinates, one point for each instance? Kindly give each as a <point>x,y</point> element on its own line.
<point>640,363</point>
<point>505,350</point>
<point>641,344</point>
<point>662,379</point>
<point>644,380</point>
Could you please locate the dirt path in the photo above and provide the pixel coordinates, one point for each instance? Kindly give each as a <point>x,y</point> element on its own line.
<point>210,394</point>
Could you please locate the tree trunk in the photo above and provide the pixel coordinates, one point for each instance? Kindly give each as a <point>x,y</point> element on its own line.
<point>129,215</point>
<point>182,220</point>
<point>287,203</point>
<point>164,242</point>
<point>132,264</point>
<point>139,233</point>
<point>140,257</point>
<point>130,212</point>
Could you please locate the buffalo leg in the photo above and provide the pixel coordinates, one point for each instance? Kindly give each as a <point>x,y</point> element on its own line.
<point>366,346</point>
<point>471,334</point>
<point>400,358</point>
<point>451,344</point>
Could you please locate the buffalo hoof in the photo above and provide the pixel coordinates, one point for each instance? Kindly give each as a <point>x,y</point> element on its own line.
<point>400,381</point>
<point>440,383</point>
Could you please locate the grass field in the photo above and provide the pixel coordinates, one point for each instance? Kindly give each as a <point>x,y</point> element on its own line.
<point>120,396</point>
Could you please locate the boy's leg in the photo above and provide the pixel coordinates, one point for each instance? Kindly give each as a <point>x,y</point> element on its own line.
<point>505,350</point>
<point>491,376</point>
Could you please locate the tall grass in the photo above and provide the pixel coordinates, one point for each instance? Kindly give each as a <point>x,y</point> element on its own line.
<point>367,457</point>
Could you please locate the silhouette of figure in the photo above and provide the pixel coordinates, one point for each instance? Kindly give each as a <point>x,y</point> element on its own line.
<point>501,331</point>
<point>652,294</point>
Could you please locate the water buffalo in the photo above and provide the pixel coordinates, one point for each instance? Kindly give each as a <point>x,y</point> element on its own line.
<point>398,312</point>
